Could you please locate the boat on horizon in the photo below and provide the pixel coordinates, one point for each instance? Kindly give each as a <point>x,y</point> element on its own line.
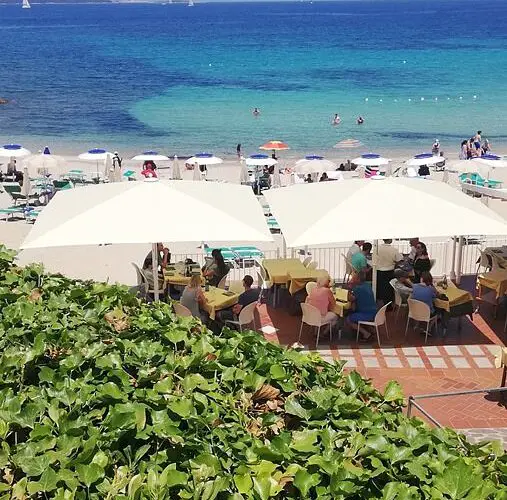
<point>190,3</point>
<point>26,4</point>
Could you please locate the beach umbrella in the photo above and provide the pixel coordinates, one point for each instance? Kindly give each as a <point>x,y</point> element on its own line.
<point>276,180</point>
<point>150,155</point>
<point>97,155</point>
<point>244,177</point>
<point>427,159</point>
<point>371,160</point>
<point>176,173</point>
<point>348,144</point>
<point>108,168</point>
<point>491,160</point>
<point>26,188</point>
<point>260,161</point>
<point>13,151</point>
<point>72,220</point>
<point>197,174</point>
<point>313,164</point>
<point>205,159</point>
<point>437,210</point>
<point>274,146</point>
<point>45,164</point>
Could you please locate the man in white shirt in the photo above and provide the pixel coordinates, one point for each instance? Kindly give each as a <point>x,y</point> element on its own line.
<point>413,244</point>
<point>355,248</point>
<point>388,257</point>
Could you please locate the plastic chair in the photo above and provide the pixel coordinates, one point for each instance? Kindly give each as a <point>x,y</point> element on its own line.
<point>432,263</point>
<point>310,286</point>
<point>181,311</point>
<point>312,317</point>
<point>419,311</point>
<point>246,317</point>
<point>349,269</point>
<point>222,282</point>
<point>142,281</point>
<point>312,265</point>
<point>380,319</point>
<point>307,261</point>
<point>398,301</point>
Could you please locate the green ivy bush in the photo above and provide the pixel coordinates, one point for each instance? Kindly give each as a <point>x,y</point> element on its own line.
<point>105,397</point>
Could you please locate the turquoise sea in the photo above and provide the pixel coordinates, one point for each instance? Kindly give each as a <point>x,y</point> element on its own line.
<point>182,79</point>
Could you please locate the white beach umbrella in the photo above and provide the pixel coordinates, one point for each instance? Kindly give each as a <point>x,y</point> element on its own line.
<point>108,168</point>
<point>436,210</point>
<point>45,164</point>
<point>27,185</point>
<point>276,181</point>
<point>205,159</point>
<point>371,160</point>
<point>97,155</point>
<point>260,161</point>
<point>70,219</point>
<point>176,173</point>
<point>197,173</point>
<point>491,160</point>
<point>313,164</point>
<point>13,151</point>
<point>244,177</point>
<point>150,155</point>
<point>427,159</point>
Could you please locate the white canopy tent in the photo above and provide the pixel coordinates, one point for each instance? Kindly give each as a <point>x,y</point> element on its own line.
<point>70,219</point>
<point>334,212</point>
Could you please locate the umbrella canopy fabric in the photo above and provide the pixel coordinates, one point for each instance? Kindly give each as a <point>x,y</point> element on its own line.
<point>276,181</point>
<point>70,219</point>
<point>348,144</point>
<point>205,159</point>
<point>46,163</point>
<point>427,159</point>
<point>150,155</point>
<point>13,151</point>
<point>27,186</point>
<point>491,160</point>
<point>275,146</point>
<point>94,155</point>
<point>313,164</point>
<point>108,168</point>
<point>260,161</point>
<point>244,177</point>
<point>176,172</point>
<point>371,160</point>
<point>334,212</point>
<point>197,174</point>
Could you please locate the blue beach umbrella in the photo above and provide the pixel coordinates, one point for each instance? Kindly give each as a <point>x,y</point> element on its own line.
<point>150,155</point>
<point>13,151</point>
<point>97,155</point>
<point>428,159</point>
<point>205,159</point>
<point>260,161</point>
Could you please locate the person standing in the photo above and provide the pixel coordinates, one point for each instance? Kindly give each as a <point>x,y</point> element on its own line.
<point>388,257</point>
<point>435,149</point>
<point>238,150</point>
<point>117,160</point>
<point>477,141</point>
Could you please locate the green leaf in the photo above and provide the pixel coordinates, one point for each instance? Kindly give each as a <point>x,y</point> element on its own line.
<point>304,481</point>
<point>354,381</point>
<point>304,441</point>
<point>393,392</point>
<point>457,480</point>
<point>182,407</point>
<point>277,372</point>
<point>89,474</point>
<point>243,482</point>
<point>175,478</point>
<point>164,386</point>
<point>293,407</point>
<point>111,390</point>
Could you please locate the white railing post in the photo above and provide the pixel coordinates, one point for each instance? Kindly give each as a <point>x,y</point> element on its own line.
<point>460,258</point>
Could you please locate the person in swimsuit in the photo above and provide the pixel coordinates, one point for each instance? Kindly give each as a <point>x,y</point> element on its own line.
<point>256,112</point>
<point>336,120</point>
<point>477,140</point>
<point>360,120</point>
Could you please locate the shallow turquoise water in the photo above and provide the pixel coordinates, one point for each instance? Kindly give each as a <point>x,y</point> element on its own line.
<point>182,79</point>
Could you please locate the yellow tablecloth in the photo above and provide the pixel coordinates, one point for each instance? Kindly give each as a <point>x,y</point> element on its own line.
<point>495,280</point>
<point>219,299</point>
<point>278,269</point>
<point>298,278</point>
<point>342,304</point>
<point>456,297</point>
<point>175,278</point>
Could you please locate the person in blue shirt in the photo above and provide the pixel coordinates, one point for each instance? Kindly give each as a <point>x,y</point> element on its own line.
<point>424,291</point>
<point>247,297</point>
<point>364,306</point>
<point>358,260</point>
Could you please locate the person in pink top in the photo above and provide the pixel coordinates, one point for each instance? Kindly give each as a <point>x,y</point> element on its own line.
<point>323,299</point>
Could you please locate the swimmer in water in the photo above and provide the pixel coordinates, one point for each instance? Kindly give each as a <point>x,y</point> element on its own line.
<point>360,120</point>
<point>336,120</point>
<point>256,112</point>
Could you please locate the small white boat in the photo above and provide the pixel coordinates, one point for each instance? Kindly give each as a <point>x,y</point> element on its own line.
<point>26,5</point>
<point>190,3</point>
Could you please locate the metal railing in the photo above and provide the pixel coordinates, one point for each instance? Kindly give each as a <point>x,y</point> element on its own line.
<point>412,400</point>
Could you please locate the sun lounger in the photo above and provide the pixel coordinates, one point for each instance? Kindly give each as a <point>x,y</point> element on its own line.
<point>477,180</point>
<point>227,253</point>
<point>248,252</point>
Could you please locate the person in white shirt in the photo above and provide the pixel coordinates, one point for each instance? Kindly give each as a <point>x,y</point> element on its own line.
<point>355,248</point>
<point>413,244</point>
<point>388,257</point>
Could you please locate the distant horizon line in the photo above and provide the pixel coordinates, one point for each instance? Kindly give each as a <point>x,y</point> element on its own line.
<point>173,2</point>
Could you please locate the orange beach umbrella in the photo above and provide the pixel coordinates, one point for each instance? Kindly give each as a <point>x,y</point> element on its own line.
<point>275,146</point>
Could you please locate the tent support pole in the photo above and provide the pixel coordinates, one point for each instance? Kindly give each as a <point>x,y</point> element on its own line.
<point>374,270</point>
<point>452,273</point>
<point>284,247</point>
<point>154,269</point>
<point>460,258</point>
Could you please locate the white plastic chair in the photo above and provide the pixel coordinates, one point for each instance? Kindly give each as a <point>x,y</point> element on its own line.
<point>222,282</point>
<point>246,317</point>
<point>312,265</point>
<point>398,301</point>
<point>419,311</point>
<point>349,269</point>
<point>181,311</point>
<point>312,317</point>
<point>307,261</point>
<point>142,281</point>
<point>310,286</point>
<point>380,319</point>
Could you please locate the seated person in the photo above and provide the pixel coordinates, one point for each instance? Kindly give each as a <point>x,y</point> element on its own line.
<point>193,298</point>
<point>323,299</point>
<point>359,262</point>
<point>323,177</point>
<point>308,178</point>
<point>402,284</point>
<point>247,297</point>
<point>422,261</point>
<point>217,270</point>
<point>424,291</point>
<point>413,244</point>
<point>164,258</point>
<point>364,306</point>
